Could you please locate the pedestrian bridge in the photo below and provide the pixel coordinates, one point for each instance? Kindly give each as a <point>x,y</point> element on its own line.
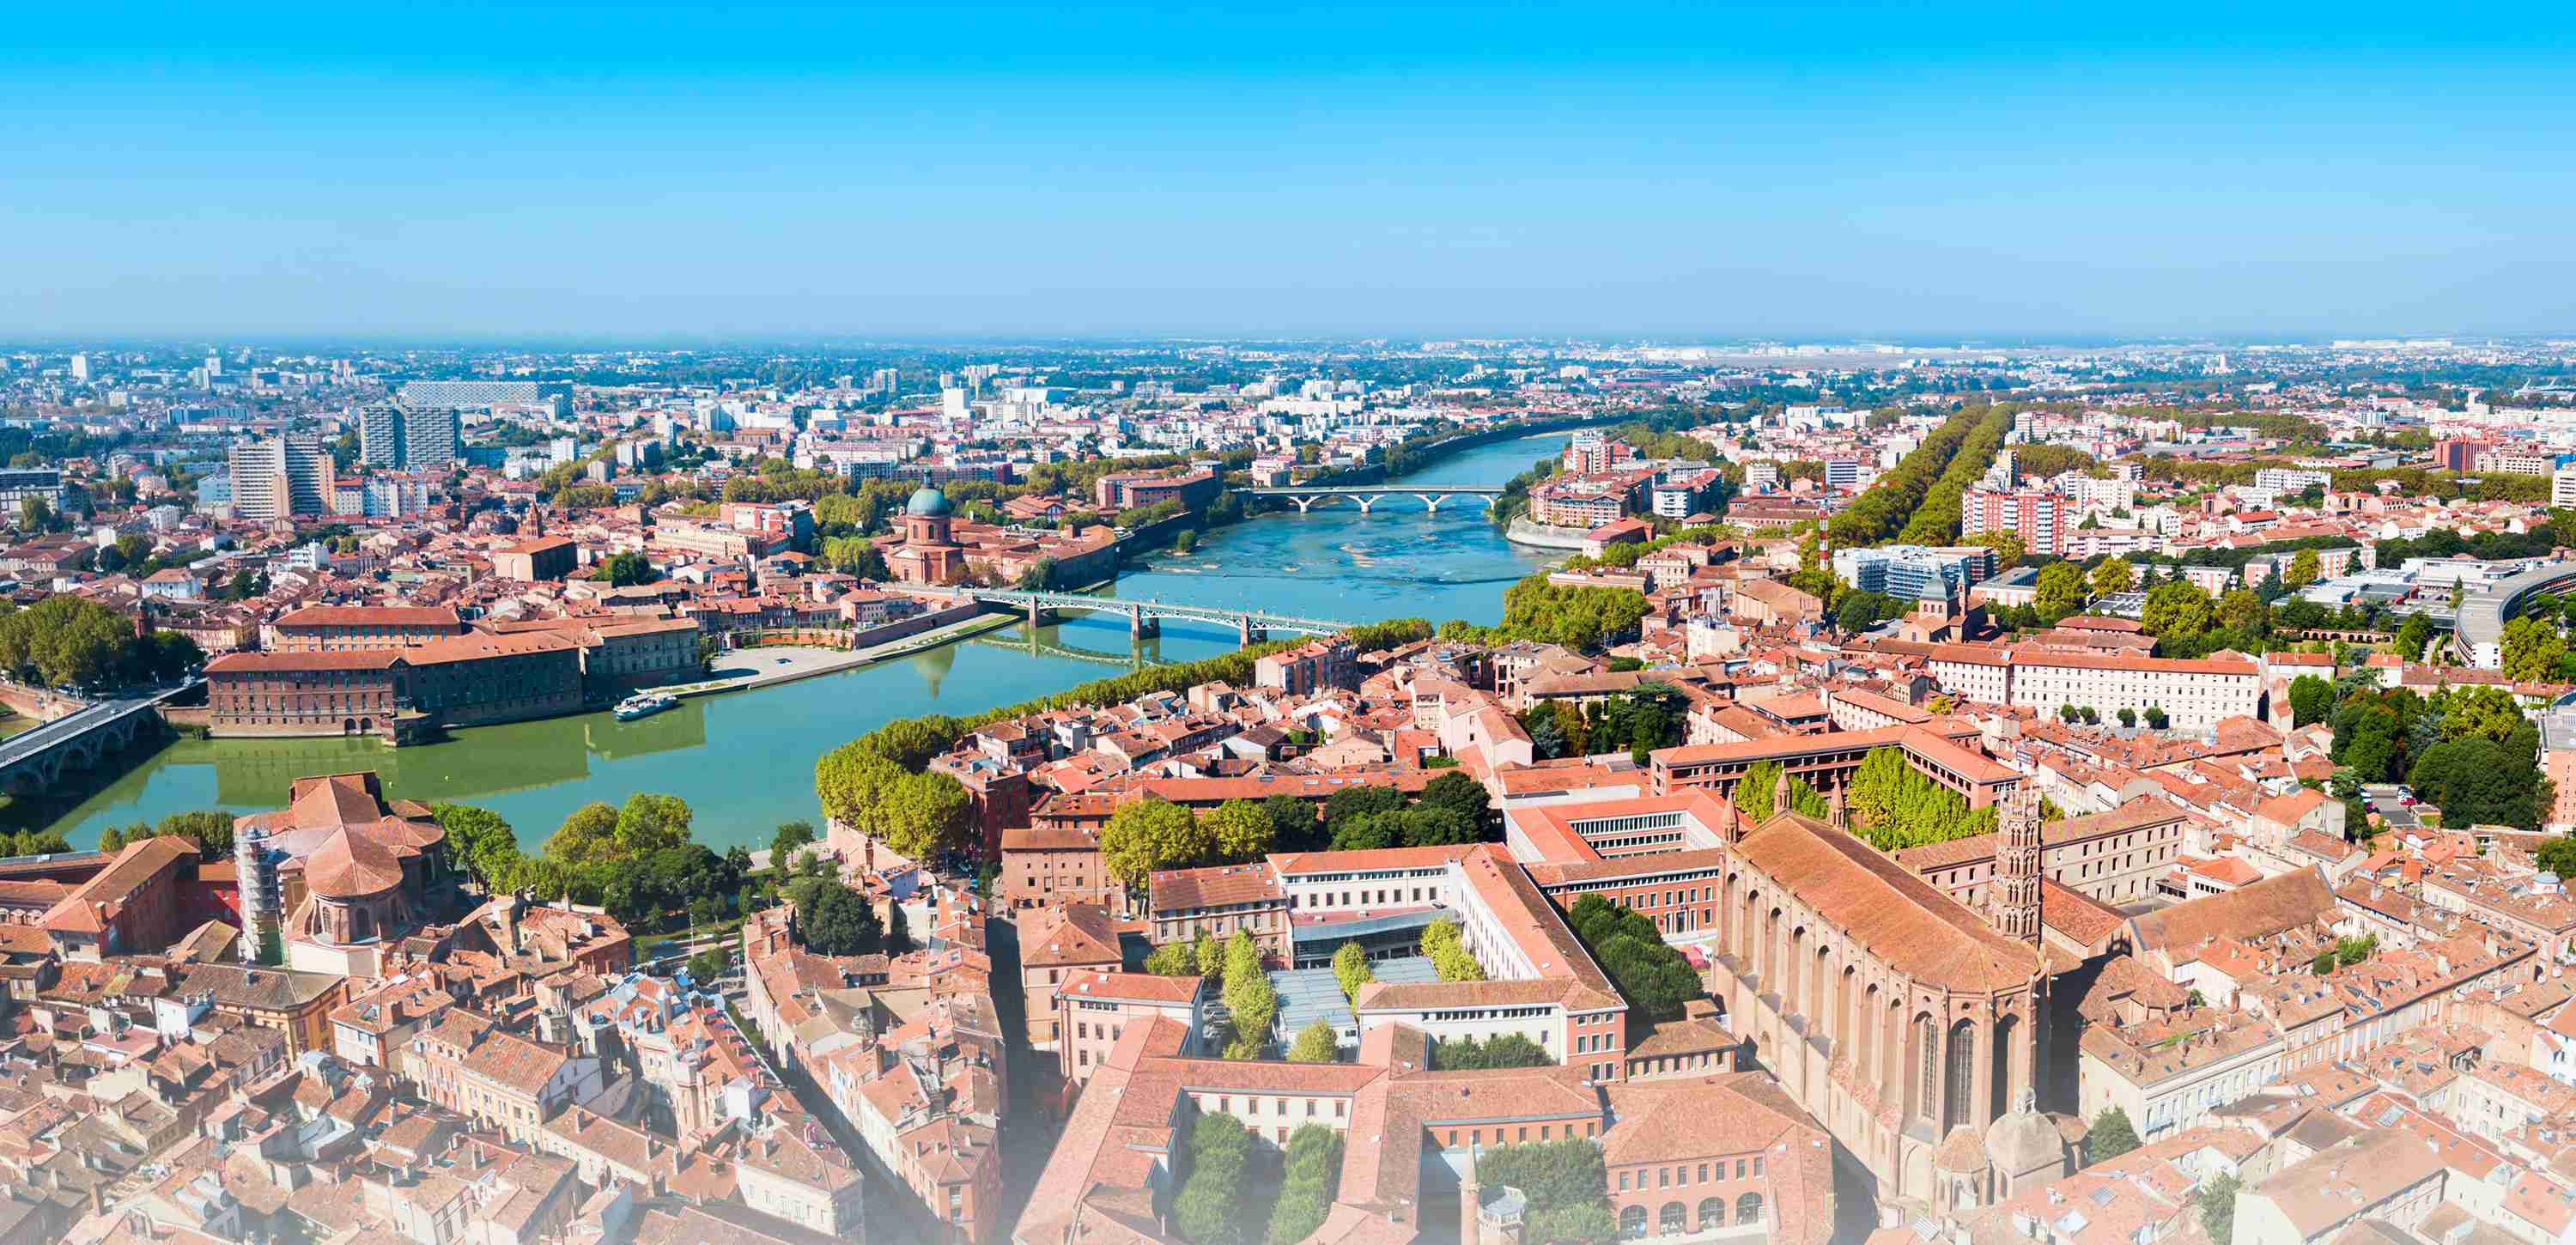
<point>1368,495</point>
<point>35,760</point>
<point>1146,617</point>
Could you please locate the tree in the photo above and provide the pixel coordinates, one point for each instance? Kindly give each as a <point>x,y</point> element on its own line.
<point>1459,794</point>
<point>1352,970</point>
<point>1309,1179</point>
<point>1368,833</point>
<point>1547,739</point>
<point>1210,1207</point>
<point>587,836</point>
<point>2312,699</point>
<point>2156,718</point>
<point>2128,716</point>
<point>1502,1050</point>
<point>2305,569</point>
<point>1567,1185</point>
<point>1293,827</point>
<point>2110,1136</point>
<point>2532,650</point>
<point>211,829</point>
<point>2243,610</point>
<point>649,822</point>
<point>1315,1044</point>
<point>790,837</point>
<point>2114,575</point>
<point>1172,959</point>
<point>623,570</point>
<point>34,514</point>
<point>1249,996</point>
<point>1149,835</point>
<point>925,814</point>
<point>1239,830</point>
<point>2216,1198</point>
<point>842,922</point>
<point>2480,712</point>
<point>2060,591</point>
<point>2177,611</point>
<point>1449,956</point>
<point>477,838</point>
<point>709,965</point>
<point>1350,803</point>
<point>1757,790</point>
<point>2412,636</point>
<point>2557,854</point>
<point>2478,781</point>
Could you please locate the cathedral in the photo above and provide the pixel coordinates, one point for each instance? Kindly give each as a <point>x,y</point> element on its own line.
<point>1908,1023</point>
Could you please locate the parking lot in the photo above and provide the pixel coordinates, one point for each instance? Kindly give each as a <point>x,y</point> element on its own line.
<point>2391,801</point>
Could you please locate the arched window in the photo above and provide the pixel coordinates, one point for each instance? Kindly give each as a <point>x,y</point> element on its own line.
<point>1963,1076</point>
<point>1927,1063</point>
<point>1712,1214</point>
<point>1748,1209</point>
<point>1632,1222</point>
<point>1674,1221</point>
<point>2005,1098</point>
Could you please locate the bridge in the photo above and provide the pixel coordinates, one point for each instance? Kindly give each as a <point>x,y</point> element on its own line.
<point>1146,617</point>
<point>35,760</point>
<point>1368,495</point>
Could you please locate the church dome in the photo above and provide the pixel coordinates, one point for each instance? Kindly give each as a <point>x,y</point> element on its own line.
<point>2026,1141</point>
<point>927,501</point>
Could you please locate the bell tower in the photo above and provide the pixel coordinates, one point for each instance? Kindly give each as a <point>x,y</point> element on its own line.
<point>2015,905</point>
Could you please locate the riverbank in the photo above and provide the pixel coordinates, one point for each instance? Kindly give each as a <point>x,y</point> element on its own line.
<point>1542,536</point>
<point>787,663</point>
<point>745,763</point>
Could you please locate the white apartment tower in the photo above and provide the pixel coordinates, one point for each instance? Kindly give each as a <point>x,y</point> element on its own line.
<point>281,477</point>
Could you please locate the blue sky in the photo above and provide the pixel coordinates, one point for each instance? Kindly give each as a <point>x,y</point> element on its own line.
<point>711,171</point>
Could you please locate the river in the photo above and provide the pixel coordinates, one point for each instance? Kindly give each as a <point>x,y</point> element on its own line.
<point>744,760</point>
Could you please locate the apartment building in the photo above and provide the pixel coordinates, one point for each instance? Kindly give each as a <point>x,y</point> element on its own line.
<point>2193,693</point>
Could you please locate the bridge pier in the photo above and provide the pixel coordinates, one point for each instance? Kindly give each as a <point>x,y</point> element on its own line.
<point>1246,634</point>
<point>1305,503</point>
<point>1430,501</point>
<point>1140,624</point>
<point>1364,500</point>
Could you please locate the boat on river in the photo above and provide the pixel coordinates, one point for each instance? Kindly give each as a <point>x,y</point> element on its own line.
<point>644,705</point>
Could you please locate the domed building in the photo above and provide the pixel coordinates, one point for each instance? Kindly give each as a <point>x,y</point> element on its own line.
<point>331,881</point>
<point>930,553</point>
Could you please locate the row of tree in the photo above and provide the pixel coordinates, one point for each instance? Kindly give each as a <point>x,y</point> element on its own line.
<point>1650,974</point>
<point>1936,520</point>
<point>1757,795</point>
<point>69,641</point>
<point>1883,509</point>
<point>1897,807</point>
<point>1449,954</point>
<point>1151,834</point>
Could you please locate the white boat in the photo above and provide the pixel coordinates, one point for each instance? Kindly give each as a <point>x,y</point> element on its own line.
<point>644,705</point>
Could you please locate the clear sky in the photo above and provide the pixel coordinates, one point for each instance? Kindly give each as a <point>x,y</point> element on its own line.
<point>714,170</point>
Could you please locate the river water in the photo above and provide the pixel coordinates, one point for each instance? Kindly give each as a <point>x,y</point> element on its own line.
<point>745,761</point>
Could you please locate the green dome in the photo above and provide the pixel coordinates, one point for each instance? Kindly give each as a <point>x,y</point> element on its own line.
<point>927,500</point>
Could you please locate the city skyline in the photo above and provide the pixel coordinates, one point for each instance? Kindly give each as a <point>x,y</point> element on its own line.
<point>1116,173</point>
